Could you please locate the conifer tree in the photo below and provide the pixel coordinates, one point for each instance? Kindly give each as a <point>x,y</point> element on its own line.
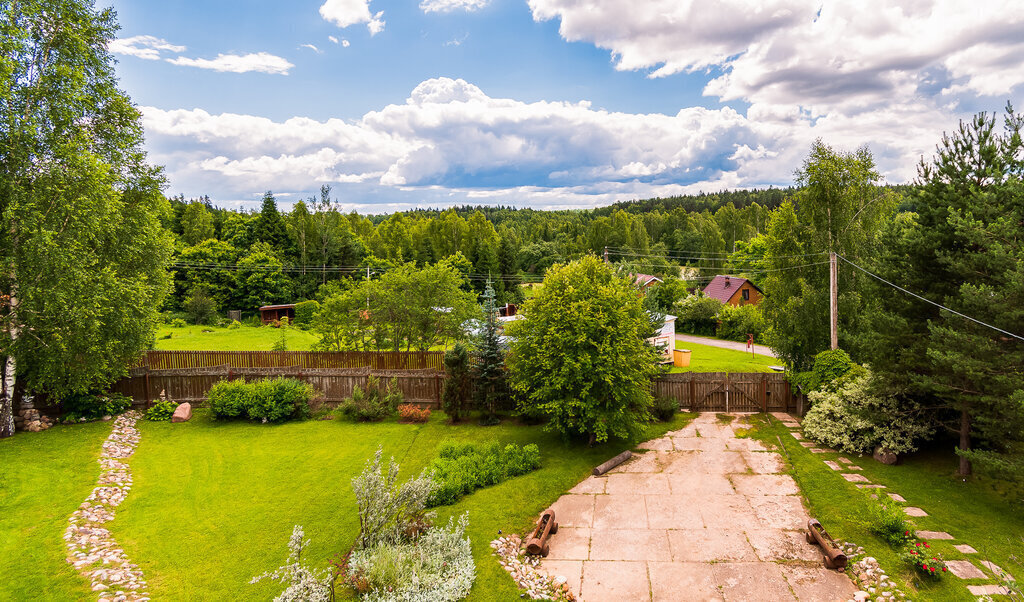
<point>489,364</point>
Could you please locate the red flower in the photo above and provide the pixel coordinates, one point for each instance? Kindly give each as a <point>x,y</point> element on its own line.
<point>906,532</point>
<point>943,569</point>
<point>933,569</point>
<point>927,546</point>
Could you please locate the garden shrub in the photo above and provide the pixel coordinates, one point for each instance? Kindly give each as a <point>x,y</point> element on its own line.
<point>856,419</point>
<point>410,412</point>
<point>93,406</point>
<point>234,325</point>
<point>665,408</point>
<point>438,567</point>
<point>304,312</point>
<point>162,410</point>
<point>267,400</point>
<point>889,522</point>
<point>697,314</point>
<point>463,468</point>
<point>457,383</point>
<point>736,321</point>
<point>924,560</point>
<point>305,584</point>
<point>390,513</point>
<point>178,323</point>
<point>373,404</point>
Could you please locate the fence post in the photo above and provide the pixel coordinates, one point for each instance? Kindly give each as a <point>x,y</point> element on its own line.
<point>693,394</point>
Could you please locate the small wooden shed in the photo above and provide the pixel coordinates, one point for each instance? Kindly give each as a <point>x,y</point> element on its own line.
<point>271,313</point>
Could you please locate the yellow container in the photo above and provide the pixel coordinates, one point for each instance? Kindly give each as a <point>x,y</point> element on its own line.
<point>681,358</point>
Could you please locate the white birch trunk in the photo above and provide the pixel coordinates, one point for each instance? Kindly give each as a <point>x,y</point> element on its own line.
<point>10,368</point>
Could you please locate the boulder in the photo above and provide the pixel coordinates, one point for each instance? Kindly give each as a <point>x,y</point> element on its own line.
<point>182,413</point>
<point>885,456</point>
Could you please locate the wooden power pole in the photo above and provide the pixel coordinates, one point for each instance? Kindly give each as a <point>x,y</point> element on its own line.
<point>833,299</point>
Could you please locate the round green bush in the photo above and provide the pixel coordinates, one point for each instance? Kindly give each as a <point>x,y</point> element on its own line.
<point>162,410</point>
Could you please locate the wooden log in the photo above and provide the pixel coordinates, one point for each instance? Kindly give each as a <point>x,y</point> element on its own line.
<point>833,557</point>
<point>610,464</point>
<point>537,542</point>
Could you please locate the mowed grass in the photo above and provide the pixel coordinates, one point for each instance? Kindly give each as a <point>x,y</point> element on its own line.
<point>243,338</point>
<point>704,358</point>
<point>213,503</point>
<point>972,511</point>
<point>44,477</point>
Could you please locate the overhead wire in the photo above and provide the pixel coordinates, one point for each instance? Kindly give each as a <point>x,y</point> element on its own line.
<point>926,300</point>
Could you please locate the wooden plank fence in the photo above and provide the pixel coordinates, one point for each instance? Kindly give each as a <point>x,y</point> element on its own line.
<point>144,385</point>
<point>723,392</point>
<point>188,376</point>
<point>312,360</point>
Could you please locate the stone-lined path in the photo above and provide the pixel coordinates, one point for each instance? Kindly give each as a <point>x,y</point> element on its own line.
<point>959,568</point>
<point>91,548</point>
<point>702,515</point>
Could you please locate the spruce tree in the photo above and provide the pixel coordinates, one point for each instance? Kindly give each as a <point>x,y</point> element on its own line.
<point>489,364</point>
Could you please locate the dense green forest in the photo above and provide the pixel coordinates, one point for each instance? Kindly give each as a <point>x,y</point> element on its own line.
<point>242,260</point>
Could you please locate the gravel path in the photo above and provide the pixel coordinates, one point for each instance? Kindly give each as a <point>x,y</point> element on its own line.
<point>735,346</point>
<point>90,546</point>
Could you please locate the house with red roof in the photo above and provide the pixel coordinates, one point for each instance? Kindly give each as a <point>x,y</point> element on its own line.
<point>645,280</point>
<point>733,290</point>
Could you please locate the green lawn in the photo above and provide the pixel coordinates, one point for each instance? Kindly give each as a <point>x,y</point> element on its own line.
<point>972,511</point>
<point>213,503</point>
<point>43,479</point>
<point>244,338</point>
<point>704,358</point>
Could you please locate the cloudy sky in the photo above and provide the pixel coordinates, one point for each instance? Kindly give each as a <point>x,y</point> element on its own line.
<point>549,103</point>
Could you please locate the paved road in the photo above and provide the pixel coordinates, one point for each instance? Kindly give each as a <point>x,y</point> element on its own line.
<point>689,338</point>
<point>702,515</point>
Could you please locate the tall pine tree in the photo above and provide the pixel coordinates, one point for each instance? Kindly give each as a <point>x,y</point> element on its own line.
<point>489,363</point>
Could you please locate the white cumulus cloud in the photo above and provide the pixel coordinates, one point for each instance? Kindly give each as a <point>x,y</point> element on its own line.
<point>149,48</point>
<point>260,62</point>
<point>344,13</point>
<point>446,6</point>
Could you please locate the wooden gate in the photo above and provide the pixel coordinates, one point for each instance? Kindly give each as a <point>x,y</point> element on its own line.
<point>723,392</point>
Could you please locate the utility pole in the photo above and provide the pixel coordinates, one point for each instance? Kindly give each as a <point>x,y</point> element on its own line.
<point>833,300</point>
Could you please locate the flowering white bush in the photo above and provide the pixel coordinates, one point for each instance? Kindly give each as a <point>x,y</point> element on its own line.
<point>855,419</point>
<point>389,513</point>
<point>438,567</point>
<point>304,584</point>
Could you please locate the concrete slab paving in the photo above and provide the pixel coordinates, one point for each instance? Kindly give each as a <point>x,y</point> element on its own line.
<point>965,549</point>
<point>614,581</point>
<point>702,515</point>
<point>897,497</point>
<point>996,570</point>
<point>679,581</point>
<point>934,535</point>
<point>629,544</point>
<point>855,478</point>
<point>986,590</point>
<point>914,511</point>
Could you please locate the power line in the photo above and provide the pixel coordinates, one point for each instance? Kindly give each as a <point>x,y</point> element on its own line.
<point>939,305</point>
<point>704,255</point>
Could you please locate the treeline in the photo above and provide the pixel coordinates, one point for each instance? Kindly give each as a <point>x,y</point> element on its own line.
<point>241,260</point>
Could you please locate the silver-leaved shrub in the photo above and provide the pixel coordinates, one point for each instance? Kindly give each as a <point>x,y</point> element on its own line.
<point>390,513</point>
<point>436,567</point>
<point>304,584</point>
<point>855,418</point>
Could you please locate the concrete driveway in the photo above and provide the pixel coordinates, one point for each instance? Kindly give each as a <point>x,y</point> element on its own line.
<point>701,515</point>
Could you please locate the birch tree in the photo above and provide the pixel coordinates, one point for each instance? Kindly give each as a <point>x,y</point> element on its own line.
<point>82,251</point>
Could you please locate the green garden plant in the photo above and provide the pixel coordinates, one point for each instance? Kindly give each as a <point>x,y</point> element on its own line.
<point>461,469</point>
<point>162,410</point>
<point>266,400</point>
<point>93,406</point>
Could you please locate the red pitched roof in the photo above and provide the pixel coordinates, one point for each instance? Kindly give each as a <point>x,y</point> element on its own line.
<point>724,287</point>
<point>645,279</point>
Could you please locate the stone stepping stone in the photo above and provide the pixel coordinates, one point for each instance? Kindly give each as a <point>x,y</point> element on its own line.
<point>870,486</point>
<point>994,568</point>
<point>986,590</point>
<point>965,569</point>
<point>897,497</point>
<point>796,435</point>
<point>845,460</point>
<point>855,478</point>
<point>964,548</point>
<point>914,511</point>
<point>852,467</point>
<point>818,450</point>
<point>934,535</point>
<point>807,443</point>
<point>833,465</point>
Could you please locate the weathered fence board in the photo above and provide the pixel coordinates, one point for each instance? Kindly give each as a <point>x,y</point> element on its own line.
<point>319,360</point>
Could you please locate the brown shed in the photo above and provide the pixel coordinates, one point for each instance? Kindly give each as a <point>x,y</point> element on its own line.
<point>733,290</point>
<point>270,313</point>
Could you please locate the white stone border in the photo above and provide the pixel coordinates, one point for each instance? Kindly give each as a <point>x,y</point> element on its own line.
<point>91,547</point>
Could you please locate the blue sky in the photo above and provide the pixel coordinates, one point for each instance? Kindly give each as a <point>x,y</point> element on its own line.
<point>548,103</point>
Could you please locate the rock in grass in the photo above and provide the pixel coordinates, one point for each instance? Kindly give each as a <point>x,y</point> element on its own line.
<point>182,413</point>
